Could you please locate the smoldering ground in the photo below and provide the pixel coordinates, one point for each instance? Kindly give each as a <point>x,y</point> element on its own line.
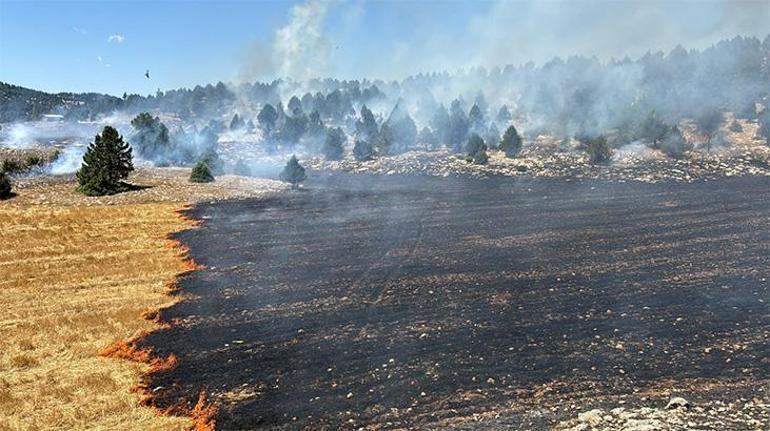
<point>405,301</point>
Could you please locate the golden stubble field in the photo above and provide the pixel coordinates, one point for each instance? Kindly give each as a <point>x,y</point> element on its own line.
<point>74,280</point>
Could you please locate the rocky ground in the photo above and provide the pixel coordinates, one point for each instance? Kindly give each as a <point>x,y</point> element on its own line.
<point>649,168</point>
<point>744,154</point>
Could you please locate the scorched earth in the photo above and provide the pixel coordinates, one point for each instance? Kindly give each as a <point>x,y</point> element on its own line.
<point>392,301</point>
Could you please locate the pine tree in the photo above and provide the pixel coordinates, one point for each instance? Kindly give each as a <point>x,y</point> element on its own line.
<point>237,122</point>
<point>363,150</point>
<point>200,173</point>
<point>267,118</point>
<point>384,141</point>
<point>5,186</point>
<point>106,163</point>
<point>474,145</point>
<point>366,126</point>
<point>293,173</point>
<point>511,143</point>
<point>151,137</point>
<point>427,139</point>
<point>333,145</point>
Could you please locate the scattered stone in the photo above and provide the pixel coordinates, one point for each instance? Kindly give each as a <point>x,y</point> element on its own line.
<point>677,402</point>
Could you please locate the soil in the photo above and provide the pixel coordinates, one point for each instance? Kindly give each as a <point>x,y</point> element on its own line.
<point>419,302</point>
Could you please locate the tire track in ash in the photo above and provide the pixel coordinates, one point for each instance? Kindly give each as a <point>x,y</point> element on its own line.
<point>321,290</point>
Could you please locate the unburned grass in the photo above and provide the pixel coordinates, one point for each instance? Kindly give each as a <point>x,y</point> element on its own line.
<point>76,280</point>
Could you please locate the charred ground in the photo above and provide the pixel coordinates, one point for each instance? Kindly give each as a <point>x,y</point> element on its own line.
<point>410,301</point>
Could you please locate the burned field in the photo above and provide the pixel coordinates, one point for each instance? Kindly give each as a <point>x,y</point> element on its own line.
<point>416,302</point>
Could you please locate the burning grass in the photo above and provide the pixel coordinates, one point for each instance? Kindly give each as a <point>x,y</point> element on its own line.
<point>75,283</point>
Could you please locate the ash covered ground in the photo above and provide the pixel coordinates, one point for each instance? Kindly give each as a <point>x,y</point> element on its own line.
<point>419,302</point>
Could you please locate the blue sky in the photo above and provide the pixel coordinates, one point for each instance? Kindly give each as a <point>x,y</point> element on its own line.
<point>106,46</point>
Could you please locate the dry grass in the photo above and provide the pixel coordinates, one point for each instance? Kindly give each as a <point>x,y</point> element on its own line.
<point>73,281</point>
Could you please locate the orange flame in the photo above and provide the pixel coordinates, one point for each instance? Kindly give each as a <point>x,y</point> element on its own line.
<point>203,413</point>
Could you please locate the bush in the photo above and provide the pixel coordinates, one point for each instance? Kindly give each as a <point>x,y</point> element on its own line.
<point>736,127</point>
<point>106,163</point>
<point>363,150</point>
<point>511,142</point>
<point>201,173</point>
<point>481,157</point>
<point>33,161</point>
<point>598,149</point>
<point>293,173</point>
<point>674,144</point>
<point>10,166</point>
<point>333,145</point>
<point>5,186</point>
<point>476,150</point>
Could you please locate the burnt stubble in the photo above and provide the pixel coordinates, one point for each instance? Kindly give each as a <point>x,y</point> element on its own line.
<point>409,301</point>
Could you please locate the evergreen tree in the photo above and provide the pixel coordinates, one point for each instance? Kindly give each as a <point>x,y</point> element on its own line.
<point>492,137</point>
<point>294,104</point>
<point>106,163</point>
<point>384,141</point>
<point>458,126</point>
<point>764,124</point>
<point>674,144</point>
<point>653,129</point>
<point>598,148</point>
<point>481,157</point>
<point>511,143</point>
<point>151,138</point>
<point>366,126</point>
<point>294,127</point>
<point>5,186</point>
<point>427,139</point>
<point>440,123</point>
<point>503,115</point>
<point>333,145</point>
<point>709,123</point>
<point>315,126</point>
<point>474,145</point>
<point>237,122</point>
<point>201,173</point>
<point>363,150</point>
<point>267,118</point>
<point>476,119</point>
<point>293,173</point>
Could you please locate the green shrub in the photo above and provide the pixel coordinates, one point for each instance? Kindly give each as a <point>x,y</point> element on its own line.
<point>10,166</point>
<point>5,186</point>
<point>201,173</point>
<point>736,127</point>
<point>363,150</point>
<point>511,143</point>
<point>33,161</point>
<point>293,173</point>
<point>598,149</point>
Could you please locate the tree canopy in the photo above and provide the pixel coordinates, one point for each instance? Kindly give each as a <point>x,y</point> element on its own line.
<point>106,163</point>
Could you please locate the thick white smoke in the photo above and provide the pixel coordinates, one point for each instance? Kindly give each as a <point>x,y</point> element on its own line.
<point>300,49</point>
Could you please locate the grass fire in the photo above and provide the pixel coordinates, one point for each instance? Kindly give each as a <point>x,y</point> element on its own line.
<point>333,214</point>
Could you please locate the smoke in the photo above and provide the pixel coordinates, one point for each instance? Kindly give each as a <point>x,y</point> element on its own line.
<point>300,49</point>
<point>68,161</point>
